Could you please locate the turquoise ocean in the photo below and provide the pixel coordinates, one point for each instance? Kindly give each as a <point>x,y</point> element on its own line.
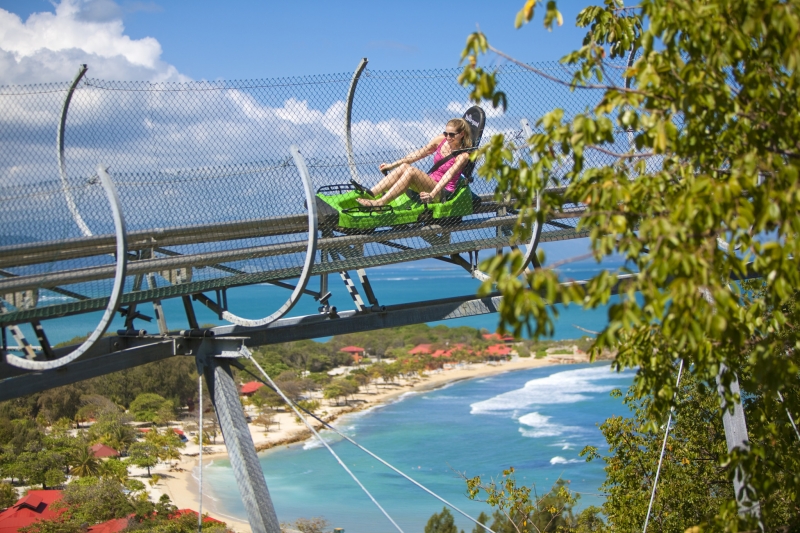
<point>535,420</point>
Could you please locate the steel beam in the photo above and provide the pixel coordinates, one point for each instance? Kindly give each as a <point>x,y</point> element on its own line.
<point>238,442</point>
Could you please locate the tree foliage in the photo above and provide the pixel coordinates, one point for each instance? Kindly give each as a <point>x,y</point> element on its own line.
<point>519,509</point>
<point>706,192</point>
<point>8,495</point>
<point>441,522</point>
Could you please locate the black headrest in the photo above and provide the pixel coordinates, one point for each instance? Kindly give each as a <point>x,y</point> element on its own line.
<point>476,119</point>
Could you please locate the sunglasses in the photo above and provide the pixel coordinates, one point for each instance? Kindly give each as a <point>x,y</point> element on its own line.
<point>450,134</point>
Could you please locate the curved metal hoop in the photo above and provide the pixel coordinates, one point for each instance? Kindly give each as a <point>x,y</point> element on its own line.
<point>311,252</point>
<point>116,291</point>
<point>537,228</point>
<point>348,138</point>
<point>62,166</point>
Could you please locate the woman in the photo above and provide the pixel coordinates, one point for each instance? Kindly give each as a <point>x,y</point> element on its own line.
<point>442,181</point>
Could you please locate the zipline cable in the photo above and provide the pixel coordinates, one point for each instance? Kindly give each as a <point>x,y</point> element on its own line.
<point>357,445</point>
<point>791,420</point>
<point>201,437</point>
<point>661,458</point>
<point>314,431</point>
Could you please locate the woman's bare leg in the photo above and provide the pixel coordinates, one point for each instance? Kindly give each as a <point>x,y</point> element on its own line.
<point>412,178</point>
<point>389,180</point>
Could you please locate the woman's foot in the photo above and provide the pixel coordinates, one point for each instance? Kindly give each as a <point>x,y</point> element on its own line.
<point>369,203</point>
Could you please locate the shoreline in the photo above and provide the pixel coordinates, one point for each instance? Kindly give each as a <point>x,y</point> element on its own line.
<point>181,486</point>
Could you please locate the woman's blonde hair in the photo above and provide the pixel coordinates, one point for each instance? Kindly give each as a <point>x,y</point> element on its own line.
<point>461,126</point>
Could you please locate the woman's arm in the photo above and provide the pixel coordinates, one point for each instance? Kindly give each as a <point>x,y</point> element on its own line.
<point>416,155</point>
<point>455,170</point>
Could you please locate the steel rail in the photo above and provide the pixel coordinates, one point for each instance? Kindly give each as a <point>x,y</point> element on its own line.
<point>39,252</point>
<point>16,255</point>
<point>72,308</point>
<point>311,252</point>
<point>116,291</point>
<point>144,266</point>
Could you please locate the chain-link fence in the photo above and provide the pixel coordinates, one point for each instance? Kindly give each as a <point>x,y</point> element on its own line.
<point>211,195</point>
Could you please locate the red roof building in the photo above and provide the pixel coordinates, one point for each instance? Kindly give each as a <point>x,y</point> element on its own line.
<point>31,508</point>
<point>353,349</point>
<point>497,351</point>
<point>101,451</point>
<point>421,349</point>
<point>250,388</point>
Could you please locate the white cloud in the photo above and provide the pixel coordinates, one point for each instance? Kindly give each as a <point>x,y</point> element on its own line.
<point>459,109</point>
<point>49,47</point>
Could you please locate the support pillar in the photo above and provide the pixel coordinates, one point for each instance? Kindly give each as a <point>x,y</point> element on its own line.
<point>736,437</point>
<point>214,358</point>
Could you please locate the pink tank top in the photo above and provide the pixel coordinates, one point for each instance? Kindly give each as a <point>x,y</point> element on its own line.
<point>437,174</point>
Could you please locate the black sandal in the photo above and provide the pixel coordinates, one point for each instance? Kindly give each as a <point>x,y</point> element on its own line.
<point>360,189</point>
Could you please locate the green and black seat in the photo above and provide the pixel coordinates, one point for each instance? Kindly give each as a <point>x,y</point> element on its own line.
<point>340,200</point>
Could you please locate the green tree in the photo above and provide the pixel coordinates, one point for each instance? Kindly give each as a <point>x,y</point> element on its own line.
<point>146,406</point>
<point>316,524</point>
<point>519,509</point>
<point>441,522</point>
<point>483,518</point>
<point>112,430</point>
<point>84,463</point>
<point>165,414</point>
<point>144,455</point>
<point>708,119</point>
<point>333,391</point>
<point>60,402</point>
<point>8,495</point>
<point>40,467</point>
<point>167,444</point>
<point>92,500</point>
<point>113,469</point>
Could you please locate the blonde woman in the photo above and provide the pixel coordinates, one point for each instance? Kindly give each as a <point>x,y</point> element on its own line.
<point>441,183</point>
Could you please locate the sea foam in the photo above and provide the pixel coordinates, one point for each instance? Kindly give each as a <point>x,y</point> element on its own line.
<point>569,386</point>
<point>558,460</point>
<point>540,426</point>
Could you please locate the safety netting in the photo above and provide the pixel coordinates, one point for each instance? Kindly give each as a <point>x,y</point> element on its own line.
<point>211,195</point>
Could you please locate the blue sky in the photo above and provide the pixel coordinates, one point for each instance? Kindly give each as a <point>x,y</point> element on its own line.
<point>208,39</point>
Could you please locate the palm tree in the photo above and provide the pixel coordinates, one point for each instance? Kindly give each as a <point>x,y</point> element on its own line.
<point>85,463</point>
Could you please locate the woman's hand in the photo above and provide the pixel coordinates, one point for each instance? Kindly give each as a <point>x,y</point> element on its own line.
<point>386,167</point>
<point>426,197</point>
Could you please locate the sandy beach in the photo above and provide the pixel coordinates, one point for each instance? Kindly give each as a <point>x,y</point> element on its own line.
<point>177,482</point>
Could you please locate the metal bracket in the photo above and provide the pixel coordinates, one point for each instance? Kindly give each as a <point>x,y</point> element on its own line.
<point>352,291</point>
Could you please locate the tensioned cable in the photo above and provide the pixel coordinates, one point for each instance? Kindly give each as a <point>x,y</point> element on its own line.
<point>357,445</point>
<point>661,458</point>
<point>201,439</point>
<point>314,431</point>
<point>791,420</point>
